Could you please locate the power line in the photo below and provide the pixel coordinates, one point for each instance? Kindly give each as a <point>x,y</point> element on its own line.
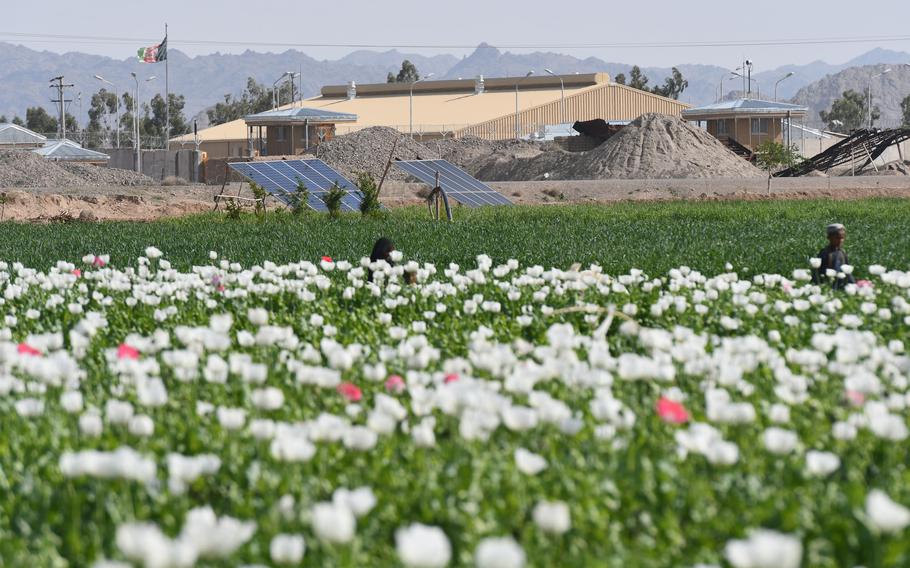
<point>50,38</point>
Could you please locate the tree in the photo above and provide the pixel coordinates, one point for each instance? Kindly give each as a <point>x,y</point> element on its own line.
<point>637,80</point>
<point>773,155</point>
<point>848,113</point>
<point>38,120</point>
<point>3,119</point>
<point>159,117</point>
<point>254,99</point>
<point>905,111</point>
<point>408,74</point>
<point>620,79</point>
<point>103,107</point>
<point>18,121</point>
<point>673,86</point>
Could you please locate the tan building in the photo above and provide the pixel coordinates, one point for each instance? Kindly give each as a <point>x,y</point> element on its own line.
<point>499,108</point>
<point>747,123</point>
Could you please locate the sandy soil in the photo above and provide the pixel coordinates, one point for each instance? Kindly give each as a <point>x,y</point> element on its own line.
<point>148,203</point>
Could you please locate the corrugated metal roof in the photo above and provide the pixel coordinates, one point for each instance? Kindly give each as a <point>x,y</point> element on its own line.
<point>11,134</point>
<point>67,150</point>
<point>450,110</point>
<point>300,114</point>
<point>744,106</point>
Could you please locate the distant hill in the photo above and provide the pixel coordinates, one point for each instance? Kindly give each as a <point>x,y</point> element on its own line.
<point>204,80</point>
<point>887,90</point>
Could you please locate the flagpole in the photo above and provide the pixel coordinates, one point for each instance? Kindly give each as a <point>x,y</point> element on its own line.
<point>167,95</point>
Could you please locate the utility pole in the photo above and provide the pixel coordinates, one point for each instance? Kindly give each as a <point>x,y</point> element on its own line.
<point>61,100</point>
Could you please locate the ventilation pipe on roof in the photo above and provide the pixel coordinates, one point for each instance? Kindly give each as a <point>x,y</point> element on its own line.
<point>478,85</point>
<point>352,90</point>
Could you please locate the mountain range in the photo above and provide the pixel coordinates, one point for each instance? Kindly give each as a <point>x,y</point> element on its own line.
<point>205,79</point>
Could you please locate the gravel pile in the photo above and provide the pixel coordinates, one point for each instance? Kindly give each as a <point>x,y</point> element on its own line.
<point>19,168</point>
<point>473,154</point>
<point>95,176</point>
<point>368,150</point>
<point>654,146</point>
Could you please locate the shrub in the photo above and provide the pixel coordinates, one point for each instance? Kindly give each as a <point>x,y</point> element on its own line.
<point>259,194</point>
<point>333,199</point>
<point>299,198</point>
<point>366,183</point>
<point>232,209</point>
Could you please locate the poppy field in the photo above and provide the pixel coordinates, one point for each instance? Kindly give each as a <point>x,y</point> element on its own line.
<point>167,405</point>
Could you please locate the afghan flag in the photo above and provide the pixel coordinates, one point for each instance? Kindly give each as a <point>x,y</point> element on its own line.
<point>154,54</point>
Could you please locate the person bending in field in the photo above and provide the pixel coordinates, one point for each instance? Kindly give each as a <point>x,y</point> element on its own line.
<point>382,250</point>
<point>832,258</point>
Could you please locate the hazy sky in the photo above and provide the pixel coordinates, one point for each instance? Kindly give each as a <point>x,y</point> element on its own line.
<point>234,26</point>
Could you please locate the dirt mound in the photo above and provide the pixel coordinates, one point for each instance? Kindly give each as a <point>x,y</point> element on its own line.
<point>474,154</point>
<point>96,176</point>
<point>654,146</point>
<point>20,168</point>
<point>368,150</point>
<point>658,146</point>
<point>895,168</point>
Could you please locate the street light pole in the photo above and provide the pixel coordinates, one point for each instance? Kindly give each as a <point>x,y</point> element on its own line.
<point>876,76</point>
<point>411,104</point>
<point>787,76</point>
<point>136,125</point>
<point>562,97</point>
<point>517,124</point>
<point>117,93</point>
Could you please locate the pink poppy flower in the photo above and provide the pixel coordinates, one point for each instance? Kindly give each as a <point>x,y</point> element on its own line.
<point>127,352</point>
<point>855,398</point>
<point>395,384</point>
<point>864,284</point>
<point>451,378</point>
<point>327,259</point>
<point>98,262</point>
<point>77,273</point>
<point>350,391</point>
<point>672,411</point>
<point>26,349</point>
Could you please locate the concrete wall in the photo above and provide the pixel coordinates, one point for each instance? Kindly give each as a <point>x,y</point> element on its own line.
<point>158,164</point>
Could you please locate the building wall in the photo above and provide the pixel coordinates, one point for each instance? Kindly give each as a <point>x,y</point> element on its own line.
<point>295,138</point>
<point>609,102</point>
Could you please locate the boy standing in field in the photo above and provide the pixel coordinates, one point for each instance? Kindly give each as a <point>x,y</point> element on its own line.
<point>832,258</point>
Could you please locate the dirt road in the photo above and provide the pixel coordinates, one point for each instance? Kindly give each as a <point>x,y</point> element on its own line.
<point>148,203</point>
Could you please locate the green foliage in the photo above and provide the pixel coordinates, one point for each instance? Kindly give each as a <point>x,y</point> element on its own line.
<point>18,121</point>
<point>773,155</point>
<point>408,74</point>
<point>332,200</point>
<point>299,198</point>
<point>905,111</point>
<point>773,236</point>
<point>232,209</point>
<point>637,79</point>
<point>158,119</point>
<point>259,194</point>
<point>38,120</point>
<point>366,183</point>
<point>103,105</point>
<point>254,99</point>
<point>673,86</point>
<point>3,119</point>
<point>849,113</point>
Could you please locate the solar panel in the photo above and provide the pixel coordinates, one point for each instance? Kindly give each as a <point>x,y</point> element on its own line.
<point>280,178</point>
<point>455,182</point>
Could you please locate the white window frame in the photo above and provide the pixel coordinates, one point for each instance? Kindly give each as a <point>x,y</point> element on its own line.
<point>759,122</point>
<point>280,135</point>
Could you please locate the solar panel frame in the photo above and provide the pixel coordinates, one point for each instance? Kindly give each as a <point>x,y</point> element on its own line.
<point>456,183</point>
<point>280,178</point>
